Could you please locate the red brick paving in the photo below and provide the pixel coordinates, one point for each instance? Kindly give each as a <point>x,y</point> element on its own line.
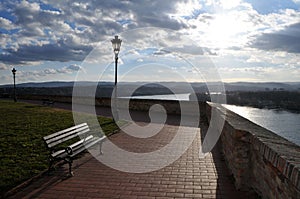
<point>188,177</point>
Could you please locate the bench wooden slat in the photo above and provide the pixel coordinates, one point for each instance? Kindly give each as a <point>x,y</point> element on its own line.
<point>80,144</point>
<point>58,153</point>
<point>68,136</point>
<point>95,141</point>
<point>65,134</point>
<point>88,145</point>
<point>65,130</point>
<point>81,141</point>
<point>62,155</point>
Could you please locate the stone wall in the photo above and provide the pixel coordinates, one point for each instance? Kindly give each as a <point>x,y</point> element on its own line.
<point>258,159</point>
<point>171,106</point>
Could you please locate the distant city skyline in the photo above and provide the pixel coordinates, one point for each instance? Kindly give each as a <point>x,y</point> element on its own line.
<point>245,40</point>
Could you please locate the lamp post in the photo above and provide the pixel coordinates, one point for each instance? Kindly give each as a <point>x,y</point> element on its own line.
<point>14,76</point>
<point>116,44</point>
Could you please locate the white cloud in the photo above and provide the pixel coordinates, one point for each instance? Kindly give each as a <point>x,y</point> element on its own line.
<point>47,74</point>
<point>50,71</point>
<point>68,69</point>
<point>259,74</point>
<point>239,26</point>
<point>6,24</point>
<point>3,66</point>
<point>186,8</point>
<point>225,4</point>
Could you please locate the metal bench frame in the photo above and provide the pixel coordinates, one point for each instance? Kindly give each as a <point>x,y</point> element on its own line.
<point>68,153</point>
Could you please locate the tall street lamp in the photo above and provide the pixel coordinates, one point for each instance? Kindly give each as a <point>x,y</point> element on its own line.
<point>14,76</point>
<point>116,44</point>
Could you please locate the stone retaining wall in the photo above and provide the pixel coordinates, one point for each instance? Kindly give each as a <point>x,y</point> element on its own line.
<point>258,159</point>
<point>171,106</point>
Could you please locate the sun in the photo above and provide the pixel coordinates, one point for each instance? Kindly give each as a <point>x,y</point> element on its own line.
<point>223,31</point>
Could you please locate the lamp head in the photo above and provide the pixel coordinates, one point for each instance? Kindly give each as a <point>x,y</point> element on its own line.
<point>116,44</point>
<point>14,71</point>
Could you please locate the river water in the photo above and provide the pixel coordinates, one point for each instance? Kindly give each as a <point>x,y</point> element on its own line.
<point>180,97</point>
<point>283,123</point>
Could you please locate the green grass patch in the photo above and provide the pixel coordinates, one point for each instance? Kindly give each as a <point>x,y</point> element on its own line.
<point>23,153</point>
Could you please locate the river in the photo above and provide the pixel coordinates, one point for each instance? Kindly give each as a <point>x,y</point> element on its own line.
<point>283,123</point>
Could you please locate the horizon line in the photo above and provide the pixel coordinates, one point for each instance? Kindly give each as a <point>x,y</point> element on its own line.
<point>111,82</point>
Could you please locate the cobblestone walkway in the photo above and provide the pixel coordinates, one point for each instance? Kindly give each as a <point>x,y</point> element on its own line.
<point>187,177</point>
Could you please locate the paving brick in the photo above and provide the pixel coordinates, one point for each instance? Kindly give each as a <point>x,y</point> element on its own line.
<point>210,196</point>
<point>177,186</point>
<point>179,195</point>
<point>184,190</point>
<point>158,194</point>
<point>202,191</point>
<point>193,195</point>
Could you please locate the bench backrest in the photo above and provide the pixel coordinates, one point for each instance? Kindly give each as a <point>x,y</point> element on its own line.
<point>65,135</point>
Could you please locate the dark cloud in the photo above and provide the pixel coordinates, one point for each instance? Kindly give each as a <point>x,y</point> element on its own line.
<point>160,21</point>
<point>285,40</point>
<point>49,52</point>
<point>146,13</point>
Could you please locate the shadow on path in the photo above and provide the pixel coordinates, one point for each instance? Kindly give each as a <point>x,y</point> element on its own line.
<point>225,181</point>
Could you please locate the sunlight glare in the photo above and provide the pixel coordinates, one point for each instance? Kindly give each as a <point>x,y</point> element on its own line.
<point>222,31</point>
<point>187,8</point>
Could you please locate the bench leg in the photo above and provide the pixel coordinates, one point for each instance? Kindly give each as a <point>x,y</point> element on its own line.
<point>51,161</point>
<point>100,148</point>
<point>70,161</point>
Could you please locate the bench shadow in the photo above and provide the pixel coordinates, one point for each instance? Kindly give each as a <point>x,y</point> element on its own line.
<point>47,180</point>
<point>37,186</point>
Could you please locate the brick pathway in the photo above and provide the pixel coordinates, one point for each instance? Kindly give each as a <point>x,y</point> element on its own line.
<point>188,177</point>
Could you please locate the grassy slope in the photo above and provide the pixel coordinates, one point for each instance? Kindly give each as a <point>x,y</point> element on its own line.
<point>22,150</point>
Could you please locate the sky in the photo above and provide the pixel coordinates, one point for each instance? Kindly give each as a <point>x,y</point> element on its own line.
<point>178,40</point>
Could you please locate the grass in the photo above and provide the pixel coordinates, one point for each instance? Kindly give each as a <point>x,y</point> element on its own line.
<point>23,153</point>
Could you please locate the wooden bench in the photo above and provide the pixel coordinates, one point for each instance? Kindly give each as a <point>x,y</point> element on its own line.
<point>68,153</point>
<point>48,102</point>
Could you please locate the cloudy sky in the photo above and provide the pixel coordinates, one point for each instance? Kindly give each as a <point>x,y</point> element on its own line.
<point>244,40</point>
